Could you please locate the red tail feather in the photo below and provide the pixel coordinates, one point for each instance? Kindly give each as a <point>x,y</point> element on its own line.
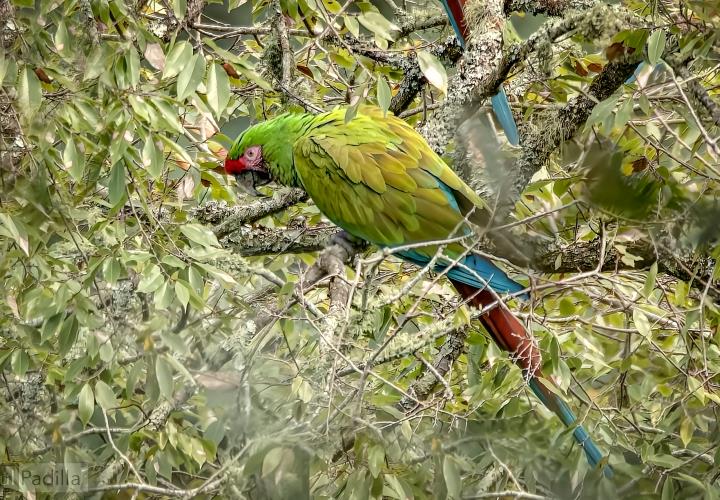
<point>505,328</point>
<point>458,14</point>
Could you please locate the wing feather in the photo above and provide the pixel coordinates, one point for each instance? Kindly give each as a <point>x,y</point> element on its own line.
<point>379,180</point>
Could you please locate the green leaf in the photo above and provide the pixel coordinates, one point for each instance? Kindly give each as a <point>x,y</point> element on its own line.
<point>566,307</point>
<point>687,428</point>
<point>645,104</point>
<point>602,111</point>
<point>453,481</point>
<point>378,24</point>
<point>650,280</point>
<point>169,114</point>
<point>17,233</point>
<point>20,362</point>
<point>351,111</point>
<point>62,38</point>
<point>642,323</point>
<point>668,490</point>
<point>73,160</point>
<point>105,396</point>
<point>132,64</point>
<point>692,480</point>
<point>164,374</point>
<point>433,70</point>
<point>68,334</point>
<point>182,292</point>
<point>190,77</point>
<point>163,296</point>
<point>200,235</point>
<point>116,186</point>
<point>681,291</point>
<point>555,353</point>
<point>4,65</point>
<point>624,112</point>
<point>224,55</point>
<point>656,46</point>
<point>151,280</point>
<point>218,89</point>
<point>176,60</point>
<point>351,23</point>
<point>384,95</point>
<point>86,403</point>
<point>179,8</point>
<point>152,158</point>
<point>234,4</point>
<point>376,459</point>
<point>29,92</point>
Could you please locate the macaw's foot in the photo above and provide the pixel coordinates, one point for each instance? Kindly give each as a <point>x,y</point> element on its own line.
<point>348,244</point>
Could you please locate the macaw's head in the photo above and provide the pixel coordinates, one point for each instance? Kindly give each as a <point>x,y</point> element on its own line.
<point>246,163</point>
<point>264,152</point>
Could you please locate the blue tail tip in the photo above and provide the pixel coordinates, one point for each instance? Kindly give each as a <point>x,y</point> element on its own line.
<point>501,108</point>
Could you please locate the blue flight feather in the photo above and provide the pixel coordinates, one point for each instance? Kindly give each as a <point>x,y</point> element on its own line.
<point>635,74</point>
<point>562,410</point>
<point>475,271</point>
<point>472,265</point>
<point>501,108</point>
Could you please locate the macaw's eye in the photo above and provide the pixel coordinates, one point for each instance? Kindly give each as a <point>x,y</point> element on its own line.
<point>252,153</point>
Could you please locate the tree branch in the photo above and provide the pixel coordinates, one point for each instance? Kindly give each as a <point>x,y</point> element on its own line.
<point>280,28</point>
<point>696,89</point>
<point>227,219</point>
<point>548,7</point>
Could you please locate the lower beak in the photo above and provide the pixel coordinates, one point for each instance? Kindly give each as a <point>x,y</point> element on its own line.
<point>246,182</point>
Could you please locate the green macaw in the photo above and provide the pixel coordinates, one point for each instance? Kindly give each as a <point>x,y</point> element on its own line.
<point>376,178</point>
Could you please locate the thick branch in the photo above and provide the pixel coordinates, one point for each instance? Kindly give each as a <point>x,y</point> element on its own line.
<point>281,31</point>
<point>697,90</point>
<point>476,67</point>
<point>414,80</point>
<point>585,256</point>
<point>266,241</point>
<point>601,21</point>
<point>547,7</point>
<point>555,126</point>
<point>578,257</point>
<point>229,219</point>
<point>424,386</point>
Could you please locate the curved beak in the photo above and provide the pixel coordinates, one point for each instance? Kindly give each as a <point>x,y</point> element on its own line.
<point>248,180</point>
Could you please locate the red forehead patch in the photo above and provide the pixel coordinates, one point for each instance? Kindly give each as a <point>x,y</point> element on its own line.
<point>234,166</point>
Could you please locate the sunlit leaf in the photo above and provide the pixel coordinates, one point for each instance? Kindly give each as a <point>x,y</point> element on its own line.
<point>86,403</point>
<point>190,77</point>
<point>384,95</point>
<point>18,233</point>
<point>378,24</point>
<point>656,46</point>
<point>433,70</point>
<point>176,60</point>
<point>116,185</point>
<point>29,91</point>
<point>200,234</point>
<point>218,89</point>
<point>105,396</point>
<point>164,374</point>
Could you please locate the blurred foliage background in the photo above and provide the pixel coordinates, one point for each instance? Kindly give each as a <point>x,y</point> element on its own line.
<point>158,328</point>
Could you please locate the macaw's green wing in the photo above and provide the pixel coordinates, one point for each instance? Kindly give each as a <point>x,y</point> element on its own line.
<point>378,179</point>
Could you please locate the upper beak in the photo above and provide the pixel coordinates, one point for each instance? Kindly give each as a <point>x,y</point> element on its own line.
<point>246,181</point>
